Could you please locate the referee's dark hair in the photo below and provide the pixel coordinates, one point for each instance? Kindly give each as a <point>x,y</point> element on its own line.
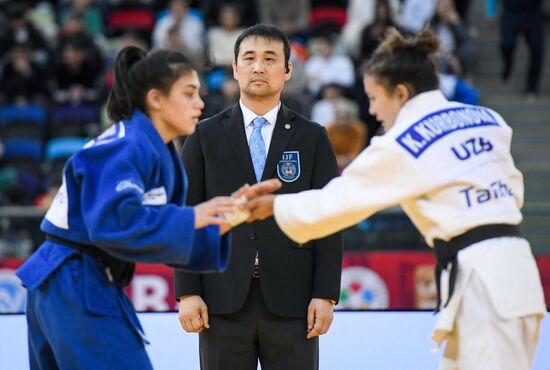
<point>266,31</point>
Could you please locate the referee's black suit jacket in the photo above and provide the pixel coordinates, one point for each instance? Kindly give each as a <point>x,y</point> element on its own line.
<point>217,161</point>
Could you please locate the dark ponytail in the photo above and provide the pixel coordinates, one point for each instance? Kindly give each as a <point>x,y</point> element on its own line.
<point>119,104</point>
<point>137,72</point>
<point>405,60</point>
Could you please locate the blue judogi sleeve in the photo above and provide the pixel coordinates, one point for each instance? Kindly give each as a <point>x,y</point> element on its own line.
<point>131,221</point>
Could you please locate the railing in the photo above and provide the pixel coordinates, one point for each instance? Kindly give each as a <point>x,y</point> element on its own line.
<point>388,229</point>
<point>21,212</point>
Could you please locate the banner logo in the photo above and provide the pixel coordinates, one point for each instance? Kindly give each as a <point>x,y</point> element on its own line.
<point>362,288</point>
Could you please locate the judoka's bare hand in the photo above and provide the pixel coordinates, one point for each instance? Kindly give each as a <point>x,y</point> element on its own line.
<point>320,313</point>
<point>206,213</point>
<point>259,189</point>
<point>193,314</point>
<point>261,207</point>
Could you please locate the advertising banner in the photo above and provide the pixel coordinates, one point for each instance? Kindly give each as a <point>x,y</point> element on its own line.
<point>394,280</point>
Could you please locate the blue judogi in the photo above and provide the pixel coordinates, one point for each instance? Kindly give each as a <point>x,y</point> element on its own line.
<point>123,193</point>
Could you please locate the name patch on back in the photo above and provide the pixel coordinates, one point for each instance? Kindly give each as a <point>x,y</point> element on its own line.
<point>417,138</point>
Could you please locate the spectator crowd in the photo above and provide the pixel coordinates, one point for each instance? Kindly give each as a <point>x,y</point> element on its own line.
<point>56,67</point>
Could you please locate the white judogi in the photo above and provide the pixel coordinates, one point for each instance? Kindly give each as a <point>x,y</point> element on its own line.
<point>449,166</point>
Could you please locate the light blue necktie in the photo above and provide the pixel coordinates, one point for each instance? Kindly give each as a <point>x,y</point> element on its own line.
<point>257,147</point>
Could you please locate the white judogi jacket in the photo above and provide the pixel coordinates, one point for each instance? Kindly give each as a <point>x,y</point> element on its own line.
<point>449,167</point>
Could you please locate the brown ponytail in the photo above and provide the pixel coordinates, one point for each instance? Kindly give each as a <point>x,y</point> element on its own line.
<point>405,60</point>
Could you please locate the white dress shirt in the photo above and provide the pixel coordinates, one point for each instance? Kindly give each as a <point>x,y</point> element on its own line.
<point>267,129</point>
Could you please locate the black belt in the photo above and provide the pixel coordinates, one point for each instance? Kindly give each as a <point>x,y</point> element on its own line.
<point>447,252</point>
<point>119,271</point>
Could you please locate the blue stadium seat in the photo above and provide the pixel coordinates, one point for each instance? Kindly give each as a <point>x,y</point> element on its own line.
<point>74,120</point>
<point>57,152</point>
<point>24,155</point>
<point>23,122</point>
<point>23,148</point>
<point>63,147</point>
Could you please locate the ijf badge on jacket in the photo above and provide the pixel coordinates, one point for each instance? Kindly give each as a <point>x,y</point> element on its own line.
<point>288,168</point>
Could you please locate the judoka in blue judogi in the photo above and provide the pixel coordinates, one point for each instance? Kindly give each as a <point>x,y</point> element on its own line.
<point>121,201</point>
